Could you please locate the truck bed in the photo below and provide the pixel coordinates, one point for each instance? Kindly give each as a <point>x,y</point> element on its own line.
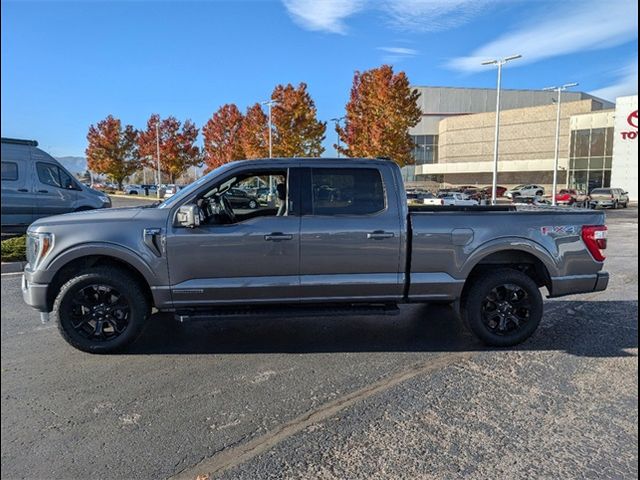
<point>446,243</point>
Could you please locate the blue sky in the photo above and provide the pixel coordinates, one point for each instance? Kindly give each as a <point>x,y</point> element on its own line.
<point>66,65</point>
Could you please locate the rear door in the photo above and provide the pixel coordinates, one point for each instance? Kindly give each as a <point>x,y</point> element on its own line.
<point>350,235</point>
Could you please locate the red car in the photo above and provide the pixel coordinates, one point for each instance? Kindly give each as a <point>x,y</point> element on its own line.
<point>569,196</point>
<point>499,190</point>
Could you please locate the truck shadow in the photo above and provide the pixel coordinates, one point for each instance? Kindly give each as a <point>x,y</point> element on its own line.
<point>594,329</point>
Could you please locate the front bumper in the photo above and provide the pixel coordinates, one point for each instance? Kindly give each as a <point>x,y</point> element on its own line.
<point>35,294</point>
<point>574,284</point>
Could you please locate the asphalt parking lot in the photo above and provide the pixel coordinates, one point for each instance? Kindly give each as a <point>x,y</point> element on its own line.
<point>409,396</point>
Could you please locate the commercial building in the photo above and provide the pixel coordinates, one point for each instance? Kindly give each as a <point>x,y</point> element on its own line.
<point>455,139</point>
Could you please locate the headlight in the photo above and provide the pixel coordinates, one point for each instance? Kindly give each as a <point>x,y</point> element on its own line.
<point>38,246</point>
<point>104,199</point>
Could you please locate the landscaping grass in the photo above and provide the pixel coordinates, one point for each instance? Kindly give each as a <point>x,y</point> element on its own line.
<point>14,249</point>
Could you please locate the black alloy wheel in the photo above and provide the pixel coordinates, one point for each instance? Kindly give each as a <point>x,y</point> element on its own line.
<point>506,309</point>
<point>100,312</point>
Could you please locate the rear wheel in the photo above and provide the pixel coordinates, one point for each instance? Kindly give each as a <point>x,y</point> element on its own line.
<point>539,193</point>
<point>502,308</point>
<point>102,310</point>
<point>253,204</point>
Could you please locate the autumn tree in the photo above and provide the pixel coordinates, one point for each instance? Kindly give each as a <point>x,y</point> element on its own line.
<point>254,133</point>
<point>380,111</point>
<point>222,137</point>
<point>112,150</point>
<point>296,130</point>
<point>177,145</point>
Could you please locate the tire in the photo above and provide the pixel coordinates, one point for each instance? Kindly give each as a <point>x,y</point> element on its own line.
<point>625,204</point>
<point>133,192</point>
<point>539,193</point>
<point>110,298</point>
<point>253,204</point>
<point>484,297</point>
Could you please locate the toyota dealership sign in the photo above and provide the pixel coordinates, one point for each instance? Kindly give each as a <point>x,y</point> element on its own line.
<point>632,121</point>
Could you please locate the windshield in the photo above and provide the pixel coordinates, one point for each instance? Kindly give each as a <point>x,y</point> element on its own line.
<point>186,191</point>
<point>601,190</point>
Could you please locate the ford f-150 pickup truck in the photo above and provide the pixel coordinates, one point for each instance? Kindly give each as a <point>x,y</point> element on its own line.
<point>339,236</point>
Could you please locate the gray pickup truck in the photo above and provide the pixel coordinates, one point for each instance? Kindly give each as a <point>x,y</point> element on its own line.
<point>338,235</point>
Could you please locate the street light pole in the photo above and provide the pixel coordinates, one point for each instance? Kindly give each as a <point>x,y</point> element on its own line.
<point>556,160</point>
<point>499,63</point>
<point>158,156</point>
<point>269,103</point>
<point>337,121</point>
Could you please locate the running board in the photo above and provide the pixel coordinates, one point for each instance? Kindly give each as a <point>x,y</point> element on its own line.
<point>292,311</point>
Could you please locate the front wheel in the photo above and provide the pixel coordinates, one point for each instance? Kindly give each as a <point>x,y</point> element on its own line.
<point>102,310</point>
<point>502,308</point>
<point>253,204</point>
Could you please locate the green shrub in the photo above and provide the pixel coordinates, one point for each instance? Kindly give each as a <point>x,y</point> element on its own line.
<point>14,249</point>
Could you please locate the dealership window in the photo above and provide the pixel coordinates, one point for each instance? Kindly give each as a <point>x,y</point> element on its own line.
<point>425,149</point>
<point>590,158</point>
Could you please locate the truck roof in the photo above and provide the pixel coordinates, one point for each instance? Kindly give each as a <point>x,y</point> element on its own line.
<point>17,141</point>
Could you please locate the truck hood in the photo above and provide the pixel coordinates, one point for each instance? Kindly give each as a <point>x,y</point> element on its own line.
<point>100,216</point>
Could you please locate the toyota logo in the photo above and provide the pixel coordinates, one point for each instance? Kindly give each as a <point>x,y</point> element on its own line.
<point>632,119</point>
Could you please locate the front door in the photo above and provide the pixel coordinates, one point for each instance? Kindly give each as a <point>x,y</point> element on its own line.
<point>351,236</point>
<point>55,191</point>
<point>253,258</point>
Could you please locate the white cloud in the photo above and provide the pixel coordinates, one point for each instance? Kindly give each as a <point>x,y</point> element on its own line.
<point>323,15</point>
<point>399,50</point>
<point>626,83</point>
<point>397,54</point>
<point>403,15</point>
<point>567,28</point>
<point>432,15</point>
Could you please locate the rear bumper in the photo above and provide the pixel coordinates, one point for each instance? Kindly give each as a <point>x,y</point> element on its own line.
<point>574,284</point>
<point>35,294</point>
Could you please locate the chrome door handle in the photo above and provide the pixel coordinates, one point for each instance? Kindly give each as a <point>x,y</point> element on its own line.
<point>23,190</point>
<point>277,237</point>
<point>43,191</point>
<point>379,235</point>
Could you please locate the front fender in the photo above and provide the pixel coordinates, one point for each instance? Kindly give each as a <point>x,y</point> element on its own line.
<point>117,252</point>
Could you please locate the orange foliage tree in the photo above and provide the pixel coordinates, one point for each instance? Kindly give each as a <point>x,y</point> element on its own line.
<point>254,134</point>
<point>381,109</point>
<point>296,130</point>
<point>177,145</point>
<point>222,137</point>
<point>112,150</point>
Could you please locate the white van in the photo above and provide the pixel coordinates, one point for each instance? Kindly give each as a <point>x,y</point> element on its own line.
<point>35,185</point>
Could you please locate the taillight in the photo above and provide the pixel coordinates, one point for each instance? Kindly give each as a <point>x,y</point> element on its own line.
<point>595,238</point>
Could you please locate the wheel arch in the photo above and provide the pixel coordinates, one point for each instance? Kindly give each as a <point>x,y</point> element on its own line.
<point>72,262</point>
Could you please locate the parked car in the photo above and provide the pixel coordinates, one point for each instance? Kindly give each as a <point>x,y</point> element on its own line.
<point>458,199</point>
<point>419,198</point>
<point>36,185</point>
<point>535,200</point>
<point>144,189</point>
<point>570,196</point>
<point>500,191</point>
<point>101,273</point>
<point>171,190</point>
<point>609,197</point>
<point>474,194</point>
<point>528,190</point>
<point>241,199</point>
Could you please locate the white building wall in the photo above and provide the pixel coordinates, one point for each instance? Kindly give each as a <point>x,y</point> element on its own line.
<point>624,169</point>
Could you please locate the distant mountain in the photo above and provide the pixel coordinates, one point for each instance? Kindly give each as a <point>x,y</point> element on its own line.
<point>74,164</point>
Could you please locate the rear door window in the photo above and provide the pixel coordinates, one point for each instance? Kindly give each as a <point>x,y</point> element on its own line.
<point>9,171</point>
<point>348,191</point>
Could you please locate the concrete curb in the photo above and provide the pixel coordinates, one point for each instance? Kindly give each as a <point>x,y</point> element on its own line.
<point>13,267</point>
